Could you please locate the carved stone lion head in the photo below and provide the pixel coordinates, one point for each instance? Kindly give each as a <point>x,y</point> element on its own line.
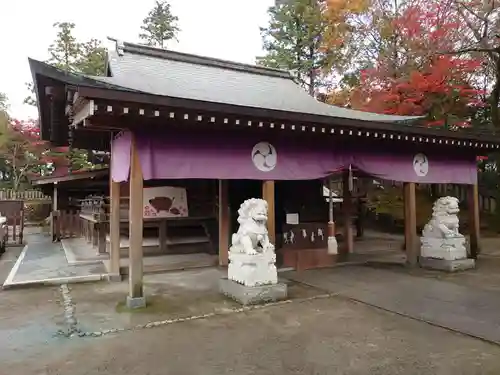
<point>446,206</point>
<point>253,210</point>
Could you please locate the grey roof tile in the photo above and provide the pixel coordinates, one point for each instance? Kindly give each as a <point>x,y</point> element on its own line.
<point>178,75</point>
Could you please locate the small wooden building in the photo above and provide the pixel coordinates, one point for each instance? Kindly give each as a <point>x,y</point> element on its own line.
<point>247,130</point>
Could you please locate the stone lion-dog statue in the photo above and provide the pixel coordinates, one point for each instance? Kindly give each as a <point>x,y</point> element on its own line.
<point>252,236</point>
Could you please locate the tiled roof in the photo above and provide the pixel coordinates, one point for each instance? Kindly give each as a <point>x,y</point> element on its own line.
<point>178,75</point>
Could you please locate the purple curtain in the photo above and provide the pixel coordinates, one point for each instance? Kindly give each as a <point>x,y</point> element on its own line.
<point>214,155</point>
<point>418,167</point>
<point>120,156</point>
<point>218,155</point>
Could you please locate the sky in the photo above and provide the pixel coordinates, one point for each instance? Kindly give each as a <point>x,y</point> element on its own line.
<point>226,29</point>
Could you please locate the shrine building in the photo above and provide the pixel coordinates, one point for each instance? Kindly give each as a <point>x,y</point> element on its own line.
<point>192,137</point>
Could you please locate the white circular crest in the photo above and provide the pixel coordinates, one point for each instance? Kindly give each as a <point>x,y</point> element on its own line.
<point>264,156</point>
<point>421,165</point>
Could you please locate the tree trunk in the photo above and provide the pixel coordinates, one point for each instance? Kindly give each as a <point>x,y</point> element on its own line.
<point>312,72</point>
<point>495,99</point>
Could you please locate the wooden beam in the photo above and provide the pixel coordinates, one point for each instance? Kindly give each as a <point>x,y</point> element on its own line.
<point>136,292</point>
<point>268,196</point>
<point>224,223</point>
<point>71,177</point>
<point>347,211</point>
<point>410,211</point>
<point>114,229</point>
<point>83,111</point>
<point>267,114</point>
<point>474,221</point>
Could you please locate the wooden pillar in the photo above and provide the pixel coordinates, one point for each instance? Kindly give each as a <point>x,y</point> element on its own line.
<point>55,198</point>
<point>347,210</point>
<point>474,223</point>
<point>410,211</point>
<point>224,223</point>
<point>136,293</point>
<point>54,217</point>
<point>21,230</point>
<point>114,228</point>
<point>95,236</point>
<point>162,236</point>
<point>268,196</point>
<point>102,232</point>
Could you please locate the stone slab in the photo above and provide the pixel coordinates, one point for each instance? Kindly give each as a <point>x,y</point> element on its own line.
<point>467,309</point>
<point>43,262</point>
<point>447,265</point>
<point>252,295</point>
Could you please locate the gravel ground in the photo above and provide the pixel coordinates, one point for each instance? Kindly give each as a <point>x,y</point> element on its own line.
<point>324,336</point>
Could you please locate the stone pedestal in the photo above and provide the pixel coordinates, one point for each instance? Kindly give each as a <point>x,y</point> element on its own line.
<point>445,254</point>
<point>443,248</point>
<point>252,279</point>
<point>447,265</point>
<point>252,269</point>
<point>253,295</point>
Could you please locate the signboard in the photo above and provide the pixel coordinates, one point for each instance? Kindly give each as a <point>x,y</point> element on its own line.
<point>165,201</point>
<point>292,219</point>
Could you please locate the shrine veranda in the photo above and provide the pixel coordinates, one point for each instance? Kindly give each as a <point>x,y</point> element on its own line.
<point>225,132</point>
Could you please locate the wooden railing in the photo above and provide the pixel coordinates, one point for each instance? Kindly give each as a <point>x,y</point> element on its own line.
<point>94,207</point>
<point>66,224</point>
<point>487,203</point>
<point>94,221</point>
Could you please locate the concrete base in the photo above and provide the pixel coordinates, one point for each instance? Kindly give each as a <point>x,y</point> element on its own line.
<point>114,277</point>
<point>447,265</point>
<point>252,295</point>
<point>136,303</point>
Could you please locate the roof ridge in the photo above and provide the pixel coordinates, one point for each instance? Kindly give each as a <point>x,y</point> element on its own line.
<point>140,49</point>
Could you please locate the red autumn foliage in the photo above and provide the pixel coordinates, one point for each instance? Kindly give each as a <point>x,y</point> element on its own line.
<point>418,77</point>
<point>24,153</point>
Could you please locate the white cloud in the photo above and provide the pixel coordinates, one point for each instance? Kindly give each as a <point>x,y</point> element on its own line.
<point>227,29</point>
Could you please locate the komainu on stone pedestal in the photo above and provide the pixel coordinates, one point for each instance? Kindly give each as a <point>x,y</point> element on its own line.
<point>441,238</point>
<point>251,256</point>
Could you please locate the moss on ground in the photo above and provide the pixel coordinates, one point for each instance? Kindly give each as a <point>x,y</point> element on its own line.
<point>177,304</point>
<point>190,302</point>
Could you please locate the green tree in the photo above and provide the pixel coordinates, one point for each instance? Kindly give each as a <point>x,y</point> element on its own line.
<point>65,50</point>
<point>71,55</point>
<point>160,26</point>
<point>296,40</point>
<point>92,58</point>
